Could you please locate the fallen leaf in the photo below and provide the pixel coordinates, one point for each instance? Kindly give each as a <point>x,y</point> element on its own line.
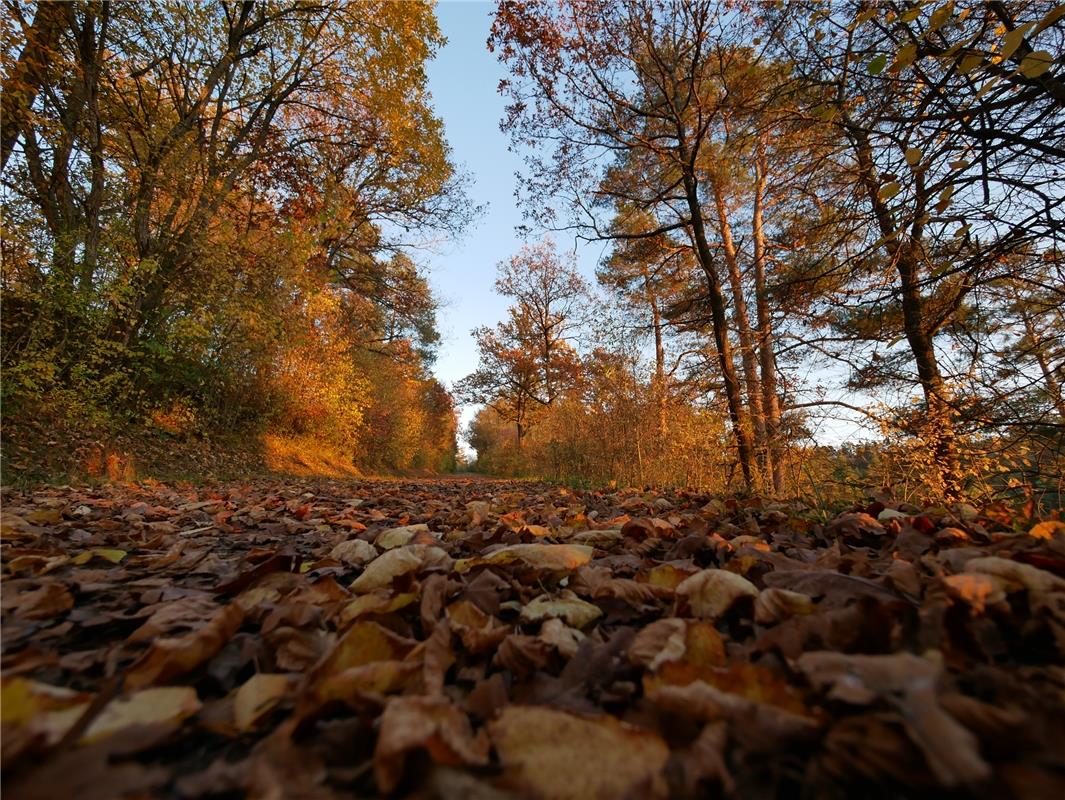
<point>259,695</point>
<point>548,557</point>
<point>557,756</point>
<point>567,607</point>
<point>909,683</point>
<point>167,659</point>
<point>164,704</point>
<point>401,560</point>
<point>354,552</point>
<point>712,592</point>
<point>429,724</point>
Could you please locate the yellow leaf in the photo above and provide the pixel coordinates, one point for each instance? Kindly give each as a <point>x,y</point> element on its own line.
<point>114,556</point>
<point>969,62</point>
<point>151,706</point>
<point>905,57</point>
<point>944,199</point>
<point>21,700</point>
<point>1012,40</point>
<point>1052,16</point>
<point>888,190</point>
<point>913,156</point>
<point>1035,64</point>
<point>941,16</point>
<point>257,697</point>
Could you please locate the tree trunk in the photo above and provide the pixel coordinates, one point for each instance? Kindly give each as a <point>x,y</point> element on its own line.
<point>1052,386</point>
<point>660,357</point>
<point>22,85</point>
<point>766,356</point>
<point>743,328</point>
<point>938,430</point>
<point>737,414</point>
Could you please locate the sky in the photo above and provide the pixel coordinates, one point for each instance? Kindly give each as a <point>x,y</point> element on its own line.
<point>464,80</point>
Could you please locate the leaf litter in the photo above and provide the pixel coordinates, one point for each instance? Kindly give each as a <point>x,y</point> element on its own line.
<point>492,639</point>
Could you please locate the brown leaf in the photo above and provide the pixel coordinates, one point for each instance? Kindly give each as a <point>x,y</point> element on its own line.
<point>426,723</point>
<point>556,756</point>
<point>711,593</point>
<point>167,659</point>
<point>908,682</point>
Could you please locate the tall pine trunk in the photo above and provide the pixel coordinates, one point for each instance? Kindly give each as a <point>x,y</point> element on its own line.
<point>743,328</point>
<point>766,356</point>
<point>719,319</point>
<point>903,250</point>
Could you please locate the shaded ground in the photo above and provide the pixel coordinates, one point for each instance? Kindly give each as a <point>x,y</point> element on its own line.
<point>471,638</point>
<point>50,445</point>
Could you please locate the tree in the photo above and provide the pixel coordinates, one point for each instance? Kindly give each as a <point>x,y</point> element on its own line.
<point>204,195</point>
<point>948,117</point>
<point>597,84</point>
<point>529,359</point>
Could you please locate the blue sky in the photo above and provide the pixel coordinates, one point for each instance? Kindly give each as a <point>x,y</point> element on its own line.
<point>464,79</point>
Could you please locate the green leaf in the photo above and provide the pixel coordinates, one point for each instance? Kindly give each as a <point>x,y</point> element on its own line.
<point>888,190</point>
<point>876,66</point>
<point>913,156</point>
<point>1035,64</point>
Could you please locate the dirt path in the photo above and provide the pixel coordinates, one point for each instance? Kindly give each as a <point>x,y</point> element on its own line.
<point>463,637</point>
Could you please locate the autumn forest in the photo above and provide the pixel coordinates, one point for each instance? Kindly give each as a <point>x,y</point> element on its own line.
<point>754,488</point>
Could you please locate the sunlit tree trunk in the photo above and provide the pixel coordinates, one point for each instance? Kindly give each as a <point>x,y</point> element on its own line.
<point>660,356</point>
<point>719,319</point>
<point>743,327</point>
<point>766,356</point>
<point>938,429</point>
<point>1053,388</point>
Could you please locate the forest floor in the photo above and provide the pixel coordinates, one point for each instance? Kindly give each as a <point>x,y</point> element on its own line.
<point>465,637</point>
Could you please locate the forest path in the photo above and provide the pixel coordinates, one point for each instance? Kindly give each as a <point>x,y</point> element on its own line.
<point>464,636</point>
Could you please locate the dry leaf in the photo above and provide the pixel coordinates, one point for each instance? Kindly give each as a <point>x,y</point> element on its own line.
<point>557,756</point>
<point>711,593</point>
<point>567,607</point>
<point>427,723</point>
<point>548,557</point>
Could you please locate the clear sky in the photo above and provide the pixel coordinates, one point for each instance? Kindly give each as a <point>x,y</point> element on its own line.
<point>463,79</point>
